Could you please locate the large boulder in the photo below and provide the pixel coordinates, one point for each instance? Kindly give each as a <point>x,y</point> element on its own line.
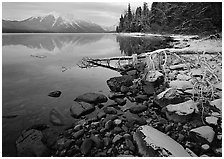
<point>79,109</point>
<point>206,132</point>
<point>181,112</point>
<point>30,144</point>
<point>217,103</point>
<point>182,85</point>
<point>115,83</point>
<point>153,143</point>
<point>133,119</point>
<point>92,98</point>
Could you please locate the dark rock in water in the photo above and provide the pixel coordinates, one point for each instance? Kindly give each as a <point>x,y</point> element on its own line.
<point>97,141</point>
<point>149,88</point>
<point>115,83</point>
<point>81,108</point>
<point>92,98</point>
<point>29,144</point>
<point>134,119</point>
<point>86,146</point>
<point>120,101</point>
<point>138,109</point>
<point>56,118</point>
<point>110,110</point>
<point>55,94</point>
<point>50,137</point>
<point>39,127</point>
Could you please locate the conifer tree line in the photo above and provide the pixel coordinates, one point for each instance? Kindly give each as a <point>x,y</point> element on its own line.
<point>173,17</point>
<point>137,21</point>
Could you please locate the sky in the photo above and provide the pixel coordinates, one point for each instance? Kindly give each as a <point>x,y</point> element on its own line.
<point>102,13</point>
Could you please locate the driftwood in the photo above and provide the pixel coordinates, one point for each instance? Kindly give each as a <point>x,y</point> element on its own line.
<point>143,55</point>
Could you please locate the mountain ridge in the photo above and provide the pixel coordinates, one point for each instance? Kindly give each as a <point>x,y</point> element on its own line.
<point>50,23</point>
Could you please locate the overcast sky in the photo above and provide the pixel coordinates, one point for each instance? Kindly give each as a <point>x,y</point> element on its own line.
<point>106,14</point>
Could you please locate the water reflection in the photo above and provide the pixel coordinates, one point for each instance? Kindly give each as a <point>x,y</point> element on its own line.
<point>50,42</point>
<point>138,45</point>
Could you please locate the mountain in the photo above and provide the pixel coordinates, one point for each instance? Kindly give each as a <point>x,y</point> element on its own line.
<point>111,28</point>
<point>50,24</point>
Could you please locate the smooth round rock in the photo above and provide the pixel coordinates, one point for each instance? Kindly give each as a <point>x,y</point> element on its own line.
<point>205,147</point>
<point>86,146</point>
<point>117,121</point>
<point>116,138</point>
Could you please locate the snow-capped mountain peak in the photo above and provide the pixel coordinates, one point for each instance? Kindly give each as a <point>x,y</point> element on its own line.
<point>54,22</point>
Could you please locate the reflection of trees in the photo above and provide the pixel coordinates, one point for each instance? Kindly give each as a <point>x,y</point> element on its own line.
<point>138,45</point>
<point>50,41</point>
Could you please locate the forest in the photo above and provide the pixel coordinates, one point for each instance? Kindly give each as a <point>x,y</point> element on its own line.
<point>173,17</point>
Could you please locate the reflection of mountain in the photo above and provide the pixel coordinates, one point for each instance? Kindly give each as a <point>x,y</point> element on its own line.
<point>138,45</point>
<point>50,41</point>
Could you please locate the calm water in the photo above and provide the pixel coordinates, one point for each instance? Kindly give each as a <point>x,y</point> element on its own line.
<point>27,79</point>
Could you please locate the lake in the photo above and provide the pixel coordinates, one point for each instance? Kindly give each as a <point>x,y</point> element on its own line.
<point>33,65</point>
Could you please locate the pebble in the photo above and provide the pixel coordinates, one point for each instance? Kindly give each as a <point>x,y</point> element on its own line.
<point>109,151</point>
<point>204,155</point>
<point>130,145</point>
<point>219,137</point>
<point>101,114</point>
<point>205,147</point>
<point>86,146</point>
<point>98,142</point>
<point>127,136</point>
<point>138,109</point>
<point>77,127</point>
<point>107,141</point>
<point>180,137</point>
<point>109,125</point>
<point>120,101</point>
<point>110,110</point>
<point>168,127</point>
<point>117,130</point>
<point>116,138</point>
<point>125,128</point>
<point>117,121</point>
<point>78,134</point>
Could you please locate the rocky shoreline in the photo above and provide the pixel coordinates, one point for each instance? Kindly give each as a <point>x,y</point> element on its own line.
<point>170,106</point>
